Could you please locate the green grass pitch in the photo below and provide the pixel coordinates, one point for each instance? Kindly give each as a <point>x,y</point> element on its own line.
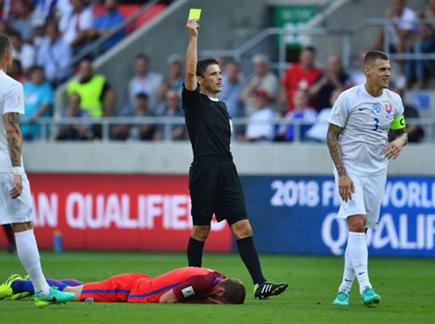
<point>407,287</point>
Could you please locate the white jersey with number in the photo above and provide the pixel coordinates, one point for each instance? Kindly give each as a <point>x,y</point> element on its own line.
<point>11,100</point>
<point>20,209</point>
<point>365,121</point>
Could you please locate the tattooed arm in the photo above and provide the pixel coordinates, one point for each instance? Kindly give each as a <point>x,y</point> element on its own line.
<point>345,184</point>
<point>11,123</point>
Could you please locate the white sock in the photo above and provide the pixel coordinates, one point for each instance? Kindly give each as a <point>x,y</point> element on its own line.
<point>28,253</point>
<point>357,246</point>
<point>348,273</point>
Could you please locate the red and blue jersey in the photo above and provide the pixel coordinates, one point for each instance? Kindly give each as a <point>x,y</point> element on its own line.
<point>188,284</point>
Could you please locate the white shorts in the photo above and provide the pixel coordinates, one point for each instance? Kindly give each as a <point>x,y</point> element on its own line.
<point>18,210</point>
<point>366,199</point>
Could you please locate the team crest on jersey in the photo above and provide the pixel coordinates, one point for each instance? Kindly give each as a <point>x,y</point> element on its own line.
<point>376,108</point>
<point>388,107</point>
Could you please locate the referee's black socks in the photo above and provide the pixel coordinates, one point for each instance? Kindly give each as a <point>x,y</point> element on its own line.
<point>249,255</point>
<point>194,252</point>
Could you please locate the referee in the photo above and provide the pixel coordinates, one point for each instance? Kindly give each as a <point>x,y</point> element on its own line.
<point>214,184</point>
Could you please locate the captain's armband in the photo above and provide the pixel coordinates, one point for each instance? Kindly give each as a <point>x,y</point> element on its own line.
<point>398,123</point>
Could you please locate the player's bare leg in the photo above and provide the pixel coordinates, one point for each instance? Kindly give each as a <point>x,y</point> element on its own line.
<point>77,290</point>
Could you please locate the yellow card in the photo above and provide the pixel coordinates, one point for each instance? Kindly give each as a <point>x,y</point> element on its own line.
<point>194,14</point>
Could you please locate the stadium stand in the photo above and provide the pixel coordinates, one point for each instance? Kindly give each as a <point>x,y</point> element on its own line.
<point>249,32</point>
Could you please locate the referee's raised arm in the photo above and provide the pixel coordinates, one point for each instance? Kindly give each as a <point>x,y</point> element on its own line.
<point>190,79</point>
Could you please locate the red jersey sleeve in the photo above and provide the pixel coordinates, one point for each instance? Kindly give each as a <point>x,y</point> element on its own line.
<point>196,287</point>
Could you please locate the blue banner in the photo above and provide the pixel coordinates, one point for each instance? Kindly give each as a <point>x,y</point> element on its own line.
<point>299,215</point>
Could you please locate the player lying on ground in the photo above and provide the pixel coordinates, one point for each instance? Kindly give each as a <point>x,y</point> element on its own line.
<point>181,285</point>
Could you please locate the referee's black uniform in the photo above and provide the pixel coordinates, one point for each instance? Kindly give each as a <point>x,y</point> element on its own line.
<point>214,184</point>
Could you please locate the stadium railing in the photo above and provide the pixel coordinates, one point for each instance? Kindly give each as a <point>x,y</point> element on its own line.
<point>50,126</point>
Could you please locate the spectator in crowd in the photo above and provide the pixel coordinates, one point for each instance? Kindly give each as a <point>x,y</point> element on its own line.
<point>260,126</point>
<point>401,32</point>
<point>401,29</point>
<point>16,71</point>
<point>414,130</point>
<point>172,109</point>
<point>418,71</point>
<point>141,132</point>
<point>232,87</point>
<point>5,8</point>
<point>333,78</point>
<point>318,132</point>
<point>173,80</point>
<point>4,27</point>
<point>45,9</point>
<point>54,55</point>
<point>38,99</point>
<point>263,78</point>
<point>23,21</point>
<point>222,62</point>
<point>302,113</point>
<point>38,34</point>
<point>23,52</point>
<point>97,96</point>
<point>300,76</point>
<point>357,76</point>
<point>76,25</point>
<point>76,131</point>
<point>62,10</point>
<point>145,81</point>
<point>107,21</point>
<point>175,76</point>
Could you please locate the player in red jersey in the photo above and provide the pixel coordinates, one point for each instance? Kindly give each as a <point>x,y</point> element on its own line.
<point>181,285</point>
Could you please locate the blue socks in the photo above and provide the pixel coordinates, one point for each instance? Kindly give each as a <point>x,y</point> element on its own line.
<point>72,282</point>
<point>26,285</point>
<point>22,285</point>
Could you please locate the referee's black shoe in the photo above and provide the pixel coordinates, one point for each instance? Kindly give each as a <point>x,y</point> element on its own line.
<point>267,289</point>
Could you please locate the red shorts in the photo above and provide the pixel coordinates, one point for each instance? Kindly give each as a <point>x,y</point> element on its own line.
<point>113,289</point>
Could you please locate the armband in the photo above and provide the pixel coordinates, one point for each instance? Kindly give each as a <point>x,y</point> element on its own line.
<point>398,123</point>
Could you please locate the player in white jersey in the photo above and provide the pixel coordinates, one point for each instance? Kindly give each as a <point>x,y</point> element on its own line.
<point>358,144</point>
<point>15,197</point>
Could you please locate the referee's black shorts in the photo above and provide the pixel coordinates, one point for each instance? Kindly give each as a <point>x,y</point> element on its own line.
<point>215,188</point>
